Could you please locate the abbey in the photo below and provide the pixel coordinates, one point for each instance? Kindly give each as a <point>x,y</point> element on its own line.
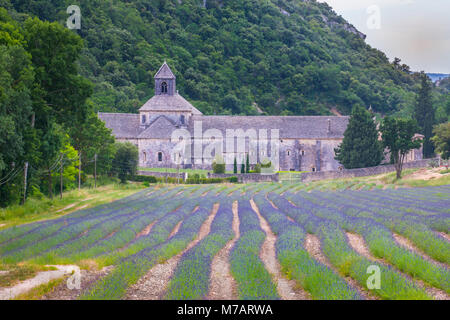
<point>304,143</point>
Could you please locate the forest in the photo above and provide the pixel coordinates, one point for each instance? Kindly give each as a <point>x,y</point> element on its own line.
<point>277,57</point>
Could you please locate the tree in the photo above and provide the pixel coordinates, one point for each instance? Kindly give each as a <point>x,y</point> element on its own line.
<point>126,160</point>
<point>247,164</point>
<point>92,137</point>
<point>360,147</point>
<point>398,138</point>
<point>424,114</point>
<point>441,139</point>
<point>243,168</point>
<point>235,170</point>
<point>54,53</point>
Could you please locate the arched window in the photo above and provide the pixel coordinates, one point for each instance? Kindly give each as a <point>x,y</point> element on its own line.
<point>164,87</point>
<point>289,152</point>
<point>144,119</point>
<point>303,152</point>
<point>313,169</point>
<point>160,156</point>
<point>145,156</point>
<point>182,119</point>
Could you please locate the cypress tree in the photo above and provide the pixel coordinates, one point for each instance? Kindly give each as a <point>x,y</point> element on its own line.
<point>247,164</point>
<point>424,114</point>
<point>360,147</point>
<point>243,167</point>
<point>235,166</point>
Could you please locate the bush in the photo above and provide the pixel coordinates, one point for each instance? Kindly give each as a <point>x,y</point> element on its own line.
<point>233,179</point>
<point>149,179</point>
<point>433,163</point>
<point>218,165</point>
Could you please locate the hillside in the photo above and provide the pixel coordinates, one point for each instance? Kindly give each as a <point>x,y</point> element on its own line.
<point>281,56</point>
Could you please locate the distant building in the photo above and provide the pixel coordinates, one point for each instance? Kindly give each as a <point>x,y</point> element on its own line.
<point>306,143</point>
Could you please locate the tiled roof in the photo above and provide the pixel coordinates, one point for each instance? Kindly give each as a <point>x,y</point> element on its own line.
<point>291,127</point>
<point>160,128</point>
<point>167,103</point>
<point>123,125</point>
<point>164,72</point>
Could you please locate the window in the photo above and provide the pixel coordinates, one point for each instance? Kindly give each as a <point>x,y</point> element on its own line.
<point>313,169</point>
<point>160,156</point>
<point>145,156</point>
<point>144,118</point>
<point>289,152</point>
<point>303,152</point>
<point>164,87</point>
<point>182,119</point>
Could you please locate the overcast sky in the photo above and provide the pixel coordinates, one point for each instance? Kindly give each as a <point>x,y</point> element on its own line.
<point>416,31</point>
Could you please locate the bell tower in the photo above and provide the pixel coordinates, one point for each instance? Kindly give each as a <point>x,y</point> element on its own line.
<point>165,81</point>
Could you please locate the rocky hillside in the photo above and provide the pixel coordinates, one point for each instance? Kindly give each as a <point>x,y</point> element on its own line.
<point>235,56</point>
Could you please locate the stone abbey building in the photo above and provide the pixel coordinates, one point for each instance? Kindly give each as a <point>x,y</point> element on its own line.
<point>304,143</point>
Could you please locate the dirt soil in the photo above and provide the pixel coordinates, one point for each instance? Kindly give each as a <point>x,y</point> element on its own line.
<point>425,174</point>
<point>40,278</point>
<point>287,289</point>
<point>222,285</point>
<point>88,279</point>
<point>406,243</point>
<point>153,285</point>
<point>444,235</point>
<point>358,243</point>
<point>312,246</point>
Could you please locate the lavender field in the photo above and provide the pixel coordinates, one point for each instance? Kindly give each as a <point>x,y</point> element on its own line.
<point>265,241</point>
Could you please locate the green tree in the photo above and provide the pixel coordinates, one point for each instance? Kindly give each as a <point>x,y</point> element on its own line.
<point>243,168</point>
<point>235,169</point>
<point>360,147</point>
<point>398,137</point>
<point>54,52</point>
<point>126,160</point>
<point>424,114</point>
<point>247,164</point>
<point>441,139</point>
<point>91,138</point>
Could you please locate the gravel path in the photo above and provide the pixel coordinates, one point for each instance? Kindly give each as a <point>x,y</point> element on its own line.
<point>313,247</point>
<point>88,279</point>
<point>41,278</point>
<point>358,243</point>
<point>153,285</point>
<point>222,284</point>
<point>287,289</point>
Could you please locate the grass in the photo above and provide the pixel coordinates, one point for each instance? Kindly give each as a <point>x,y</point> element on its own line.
<point>18,272</point>
<point>46,208</point>
<point>384,181</point>
<point>37,292</point>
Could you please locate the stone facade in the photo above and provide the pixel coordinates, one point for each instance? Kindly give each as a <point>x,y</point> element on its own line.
<point>305,143</point>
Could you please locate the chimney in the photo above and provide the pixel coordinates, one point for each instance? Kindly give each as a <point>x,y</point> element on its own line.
<point>329,126</point>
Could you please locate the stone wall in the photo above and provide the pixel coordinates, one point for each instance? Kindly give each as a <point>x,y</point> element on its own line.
<point>161,174</point>
<point>363,172</point>
<point>247,177</point>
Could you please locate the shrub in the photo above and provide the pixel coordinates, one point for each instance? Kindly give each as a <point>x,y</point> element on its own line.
<point>218,165</point>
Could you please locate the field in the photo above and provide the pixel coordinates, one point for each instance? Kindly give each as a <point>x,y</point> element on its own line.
<point>261,241</point>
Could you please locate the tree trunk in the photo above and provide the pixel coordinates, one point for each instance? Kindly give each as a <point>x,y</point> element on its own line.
<point>50,185</point>
<point>399,166</point>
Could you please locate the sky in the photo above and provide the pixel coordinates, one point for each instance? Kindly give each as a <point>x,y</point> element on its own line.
<point>416,31</point>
